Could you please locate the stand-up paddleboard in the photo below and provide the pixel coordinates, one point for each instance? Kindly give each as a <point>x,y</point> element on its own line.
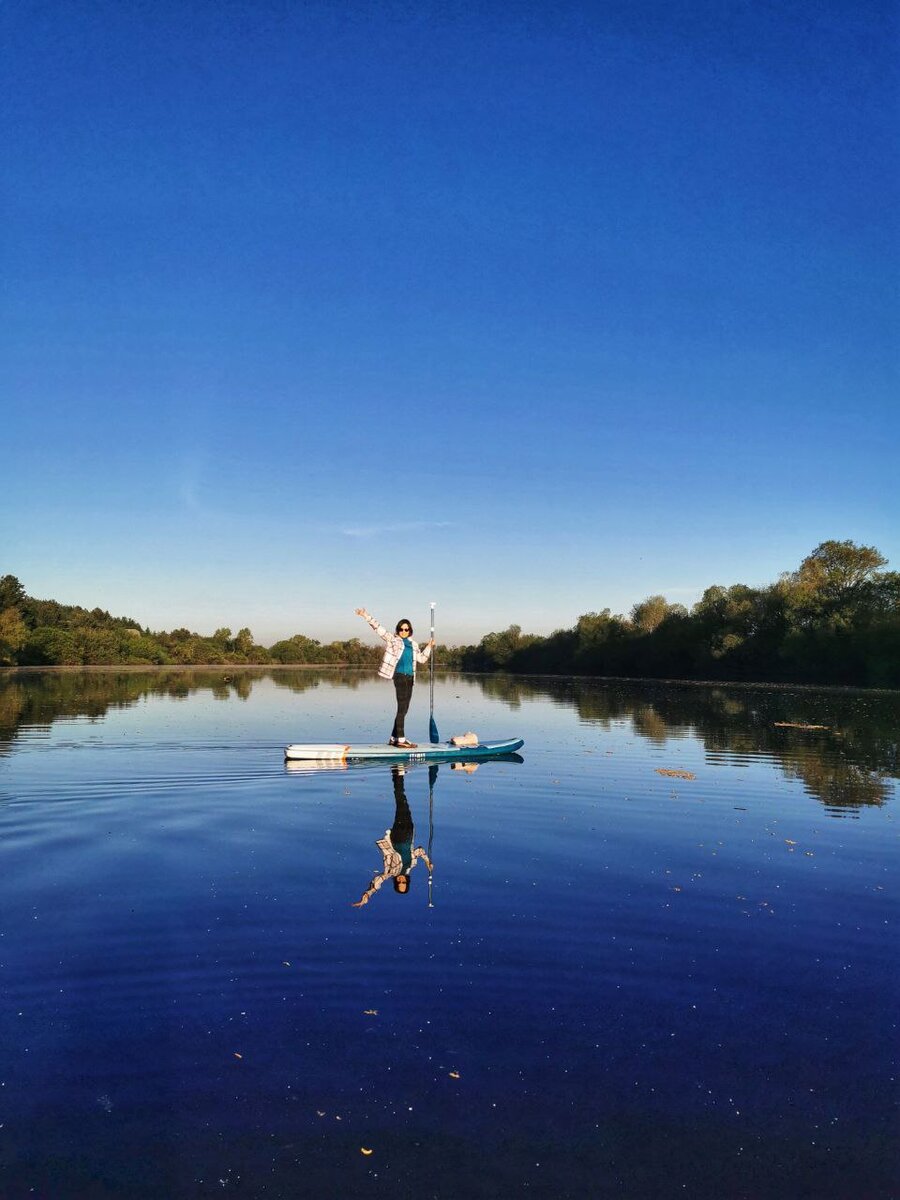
<point>443,752</point>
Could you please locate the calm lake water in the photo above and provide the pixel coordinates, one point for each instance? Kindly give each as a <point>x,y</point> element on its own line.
<point>657,957</point>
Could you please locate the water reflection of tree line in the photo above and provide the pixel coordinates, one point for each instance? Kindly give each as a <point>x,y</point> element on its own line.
<point>848,764</point>
<point>38,699</point>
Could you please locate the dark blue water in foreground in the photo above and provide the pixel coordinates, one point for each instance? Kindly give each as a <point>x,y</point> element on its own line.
<point>627,983</point>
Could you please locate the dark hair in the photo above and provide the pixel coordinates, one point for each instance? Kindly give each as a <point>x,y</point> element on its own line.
<point>404,621</point>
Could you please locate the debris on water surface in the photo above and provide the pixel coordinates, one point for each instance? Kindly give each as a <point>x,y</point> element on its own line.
<point>454,1074</point>
<point>364,1150</point>
<point>797,725</point>
<point>675,774</point>
<point>236,1055</point>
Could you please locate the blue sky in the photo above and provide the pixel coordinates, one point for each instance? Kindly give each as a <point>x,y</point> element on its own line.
<point>527,309</point>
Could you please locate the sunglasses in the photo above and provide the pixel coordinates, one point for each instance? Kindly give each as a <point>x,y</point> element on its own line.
<point>406,628</point>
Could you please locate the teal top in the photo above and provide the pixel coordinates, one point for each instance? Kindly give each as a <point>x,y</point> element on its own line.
<point>404,849</point>
<point>405,665</point>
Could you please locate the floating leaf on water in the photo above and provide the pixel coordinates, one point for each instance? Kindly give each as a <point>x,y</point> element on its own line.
<point>675,774</point>
<point>370,1012</point>
<point>236,1055</point>
<point>365,1150</point>
<point>454,1074</point>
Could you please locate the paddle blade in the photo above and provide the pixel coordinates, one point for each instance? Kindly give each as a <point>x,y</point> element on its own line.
<point>433,732</point>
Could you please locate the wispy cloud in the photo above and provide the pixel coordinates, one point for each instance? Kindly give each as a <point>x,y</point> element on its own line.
<point>189,483</point>
<point>366,531</point>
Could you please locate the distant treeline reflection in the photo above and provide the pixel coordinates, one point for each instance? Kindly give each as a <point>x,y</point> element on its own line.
<point>843,748</point>
<point>835,620</point>
<point>43,697</point>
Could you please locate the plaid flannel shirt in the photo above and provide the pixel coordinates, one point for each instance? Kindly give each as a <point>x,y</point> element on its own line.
<point>394,648</point>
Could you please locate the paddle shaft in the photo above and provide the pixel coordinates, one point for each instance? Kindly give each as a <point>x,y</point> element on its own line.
<point>432,726</point>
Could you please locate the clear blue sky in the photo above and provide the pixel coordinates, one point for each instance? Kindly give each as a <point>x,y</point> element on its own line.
<point>528,309</point>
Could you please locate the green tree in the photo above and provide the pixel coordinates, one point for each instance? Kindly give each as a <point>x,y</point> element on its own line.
<point>243,643</point>
<point>296,649</point>
<point>599,637</point>
<point>498,649</point>
<point>649,614</point>
<point>728,618</point>
<point>839,571</point>
<point>12,594</point>
<point>13,634</point>
<point>51,647</point>
<point>840,584</point>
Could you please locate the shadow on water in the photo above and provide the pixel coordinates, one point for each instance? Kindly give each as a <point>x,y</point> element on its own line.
<point>842,746</point>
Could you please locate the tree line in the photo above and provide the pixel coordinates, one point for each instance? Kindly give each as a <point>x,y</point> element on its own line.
<point>46,633</point>
<point>834,620</point>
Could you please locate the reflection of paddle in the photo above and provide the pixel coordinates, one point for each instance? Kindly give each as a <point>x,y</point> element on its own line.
<point>432,776</point>
<point>432,727</point>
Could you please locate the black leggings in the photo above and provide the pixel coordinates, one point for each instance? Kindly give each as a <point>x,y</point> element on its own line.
<point>403,685</point>
<point>402,830</point>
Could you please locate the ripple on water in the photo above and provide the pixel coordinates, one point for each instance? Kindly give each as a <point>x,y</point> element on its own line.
<point>605,943</point>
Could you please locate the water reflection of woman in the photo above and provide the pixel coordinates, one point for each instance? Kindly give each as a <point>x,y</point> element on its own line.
<point>397,845</point>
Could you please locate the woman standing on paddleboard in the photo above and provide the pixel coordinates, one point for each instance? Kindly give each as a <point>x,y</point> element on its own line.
<point>401,654</point>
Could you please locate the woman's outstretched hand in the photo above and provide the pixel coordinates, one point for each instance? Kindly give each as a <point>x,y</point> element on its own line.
<point>361,612</point>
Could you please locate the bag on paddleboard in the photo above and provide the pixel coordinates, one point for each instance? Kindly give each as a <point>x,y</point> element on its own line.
<point>464,739</point>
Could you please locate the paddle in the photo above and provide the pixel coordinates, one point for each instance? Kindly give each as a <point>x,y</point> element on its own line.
<point>432,727</point>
